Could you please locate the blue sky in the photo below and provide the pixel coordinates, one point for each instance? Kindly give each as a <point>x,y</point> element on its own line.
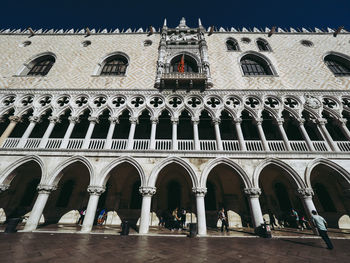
<point>135,13</point>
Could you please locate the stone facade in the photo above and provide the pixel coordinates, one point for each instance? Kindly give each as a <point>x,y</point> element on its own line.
<point>302,88</point>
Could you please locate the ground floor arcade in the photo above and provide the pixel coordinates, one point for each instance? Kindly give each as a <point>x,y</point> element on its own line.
<point>53,189</point>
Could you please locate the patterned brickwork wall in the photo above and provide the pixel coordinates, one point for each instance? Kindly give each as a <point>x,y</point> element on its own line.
<point>297,66</point>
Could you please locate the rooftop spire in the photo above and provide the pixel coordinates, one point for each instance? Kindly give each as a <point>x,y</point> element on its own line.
<point>164,25</point>
<point>199,22</point>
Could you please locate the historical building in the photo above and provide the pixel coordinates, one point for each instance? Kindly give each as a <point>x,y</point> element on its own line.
<point>138,123</point>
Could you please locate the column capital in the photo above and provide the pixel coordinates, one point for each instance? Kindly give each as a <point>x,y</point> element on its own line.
<point>216,120</point>
<point>15,118</point>
<point>321,121</point>
<point>301,121</point>
<point>4,187</point>
<point>147,190</point>
<point>279,121</point>
<point>45,188</point>
<point>195,120</point>
<point>199,191</point>
<point>252,192</point>
<point>95,190</point>
<point>174,120</point>
<point>154,120</point>
<point>134,120</point>
<point>305,192</point>
<point>237,120</point>
<point>258,121</point>
<point>73,119</point>
<point>113,119</point>
<point>341,121</point>
<point>35,119</point>
<point>54,119</point>
<point>93,119</point>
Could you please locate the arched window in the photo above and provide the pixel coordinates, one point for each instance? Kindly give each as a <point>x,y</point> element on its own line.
<point>263,45</point>
<point>232,45</point>
<point>40,66</point>
<point>190,64</point>
<point>255,65</point>
<point>115,65</point>
<point>338,65</point>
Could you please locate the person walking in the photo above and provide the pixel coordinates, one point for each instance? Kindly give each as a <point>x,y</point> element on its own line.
<point>321,225</point>
<point>296,218</point>
<point>223,218</point>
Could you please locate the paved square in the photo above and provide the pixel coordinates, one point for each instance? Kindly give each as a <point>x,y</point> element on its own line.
<point>46,247</point>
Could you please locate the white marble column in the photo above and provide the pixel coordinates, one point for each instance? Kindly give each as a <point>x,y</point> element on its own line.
<point>112,122</point>
<point>38,208</point>
<point>195,122</point>
<point>133,122</point>
<point>154,122</point>
<point>258,123</point>
<point>305,134</point>
<point>33,120</point>
<point>305,194</point>
<point>53,120</point>
<point>13,122</point>
<point>174,122</point>
<point>72,121</point>
<point>342,124</point>
<point>255,209</point>
<point>201,219</point>
<point>283,134</point>
<point>216,123</point>
<point>240,136</point>
<point>95,192</point>
<point>147,193</point>
<point>321,122</point>
<point>86,142</point>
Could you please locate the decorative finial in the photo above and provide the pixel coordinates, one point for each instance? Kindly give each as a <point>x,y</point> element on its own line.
<point>164,25</point>
<point>199,22</point>
<point>182,23</point>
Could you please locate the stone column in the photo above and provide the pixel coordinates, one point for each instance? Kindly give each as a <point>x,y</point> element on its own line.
<point>195,122</point>
<point>321,122</point>
<point>305,135</point>
<point>33,120</point>
<point>201,220</point>
<point>258,123</point>
<point>305,195</point>
<point>240,136</point>
<point>133,122</point>
<point>255,209</point>
<point>53,120</point>
<point>95,192</point>
<point>342,123</point>
<point>13,122</point>
<point>38,208</point>
<point>174,122</point>
<point>147,193</point>
<point>72,122</point>
<point>154,122</point>
<point>283,134</point>
<point>113,121</point>
<point>216,123</point>
<point>86,142</point>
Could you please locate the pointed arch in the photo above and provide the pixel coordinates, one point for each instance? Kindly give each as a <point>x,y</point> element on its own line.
<point>223,160</point>
<point>57,175</point>
<point>293,174</point>
<point>38,65</point>
<point>123,159</point>
<point>7,175</point>
<point>342,171</point>
<point>337,63</point>
<point>187,166</point>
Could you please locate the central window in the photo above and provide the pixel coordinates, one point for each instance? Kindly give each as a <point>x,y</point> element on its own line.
<point>190,64</point>
<point>253,65</point>
<point>115,65</point>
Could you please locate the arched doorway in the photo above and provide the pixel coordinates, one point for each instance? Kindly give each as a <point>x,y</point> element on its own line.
<point>225,190</point>
<point>331,197</point>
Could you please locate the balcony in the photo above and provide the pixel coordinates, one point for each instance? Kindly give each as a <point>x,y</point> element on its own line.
<point>187,81</point>
<point>167,145</point>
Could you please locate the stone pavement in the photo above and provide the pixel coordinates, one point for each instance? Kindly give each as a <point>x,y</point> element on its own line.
<point>46,247</point>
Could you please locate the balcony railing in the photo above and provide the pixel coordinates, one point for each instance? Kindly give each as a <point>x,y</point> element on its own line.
<point>166,145</point>
<point>186,80</point>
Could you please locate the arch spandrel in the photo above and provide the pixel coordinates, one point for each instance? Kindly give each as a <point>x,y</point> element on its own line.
<point>7,175</point>
<point>222,160</point>
<point>338,167</point>
<point>190,169</point>
<point>101,181</point>
<point>282,165</point>
<point>56,173</point>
